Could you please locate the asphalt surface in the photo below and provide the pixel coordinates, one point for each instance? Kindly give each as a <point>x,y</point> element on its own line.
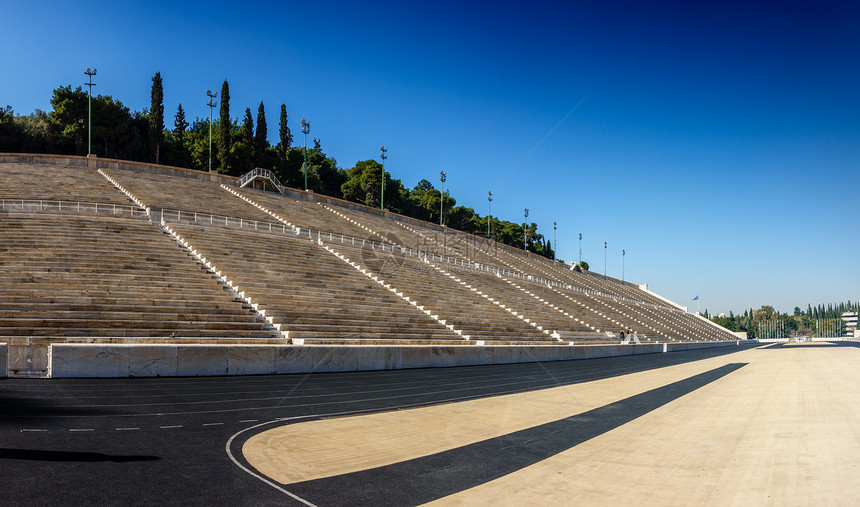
<point>165,440</point>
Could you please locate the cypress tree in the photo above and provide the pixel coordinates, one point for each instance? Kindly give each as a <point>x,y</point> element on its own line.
<point>224,129</point>
<point>179,123</point>
<point>156,115</point>
<point>284,130</point>
<point>260,141</point>
<point>248,137</point>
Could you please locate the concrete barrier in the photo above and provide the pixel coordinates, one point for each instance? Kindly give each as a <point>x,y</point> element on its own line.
<point>4,352</point>
<point>130,360</point>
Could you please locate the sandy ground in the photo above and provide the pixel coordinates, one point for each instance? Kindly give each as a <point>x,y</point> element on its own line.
<point>781,430</point>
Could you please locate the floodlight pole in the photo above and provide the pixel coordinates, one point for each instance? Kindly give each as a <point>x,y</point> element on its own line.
<point>442,176</point>
<point>90,73</point>
<point>623,255</point>
<point>382,193</point>
<point>554,239</point>
<point>525,229</point>
<point>580,250</point>
<point>604,259</point>
<point>211,105</point>
<point>489,211</point>
<point>306,127</point>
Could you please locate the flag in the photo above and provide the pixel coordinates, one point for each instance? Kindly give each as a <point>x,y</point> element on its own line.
<point>696,298</point>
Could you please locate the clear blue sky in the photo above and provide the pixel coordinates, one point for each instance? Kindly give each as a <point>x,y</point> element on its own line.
<point>717,143</point>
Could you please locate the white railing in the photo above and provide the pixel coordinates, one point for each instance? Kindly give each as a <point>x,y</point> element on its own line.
<point>244,223</point>
<point>455,261</point>
<point>69,207</point>
<point>167,215</point>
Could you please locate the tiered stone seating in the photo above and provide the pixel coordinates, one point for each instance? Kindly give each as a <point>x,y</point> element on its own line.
<point>176,193</point>
<point>306,214</point>
<point>111,279</point>
<point>469,311</point>
<point>56,183</point>
<point>310,293</point>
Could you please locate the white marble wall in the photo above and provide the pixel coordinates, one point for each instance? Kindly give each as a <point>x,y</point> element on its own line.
<point>4,353</point>
<point>119,360</point>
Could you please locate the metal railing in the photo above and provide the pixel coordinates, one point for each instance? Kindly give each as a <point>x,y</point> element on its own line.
<point>167,215</point>
<point>69,207</point>
<point>244,223</point>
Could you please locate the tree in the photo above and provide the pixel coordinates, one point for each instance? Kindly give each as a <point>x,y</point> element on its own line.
<point>179,123</point>
<point>156,116</point>
<point>246,134</point>
<point>284,130</point>
<point>797,311</point>
<point>224,140</point>
<point>261,141</point>
<point>317,145</point>
<point>584,265</point>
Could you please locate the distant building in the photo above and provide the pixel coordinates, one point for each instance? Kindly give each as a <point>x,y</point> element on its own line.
<point>850,319</point>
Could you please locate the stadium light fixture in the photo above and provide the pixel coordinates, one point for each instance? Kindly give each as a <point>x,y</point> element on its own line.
<point>604,259</point>
<point>306,128</point>
<point>489,211</point>
<point>90,73</point>
<point>442,176</point>
<point>211,104</point>
<point>525,229</point>
<point>382,193</point>
<point>554,239</point>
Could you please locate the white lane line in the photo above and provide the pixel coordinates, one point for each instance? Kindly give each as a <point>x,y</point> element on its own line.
<point>212,424</point>
<point>127,429</point>
<point>264,479</point>
<point>169,427</point>
<point>81,429</point>
<point>33,430</point>
<point>249,420</point>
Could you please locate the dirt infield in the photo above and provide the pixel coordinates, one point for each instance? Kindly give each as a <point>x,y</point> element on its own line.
<point>780,427</point>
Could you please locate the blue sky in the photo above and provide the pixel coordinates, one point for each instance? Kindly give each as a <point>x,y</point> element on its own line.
<point>718,144</point>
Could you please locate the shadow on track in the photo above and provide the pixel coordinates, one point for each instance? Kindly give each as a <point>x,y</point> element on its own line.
<point>69,456</point>
<point>431,477</point>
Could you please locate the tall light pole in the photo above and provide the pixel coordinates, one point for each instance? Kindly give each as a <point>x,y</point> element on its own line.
<point>211,105</point>
<point>623,255</point>
<point>525,229</point>
<point>604,259</point>
<point>306,127</point>
<point>442,176</point>
<point>554,240</point>
<point>580,250</point>
<point>382,193</point>
<point>90,73</point>
<point>489,211</point>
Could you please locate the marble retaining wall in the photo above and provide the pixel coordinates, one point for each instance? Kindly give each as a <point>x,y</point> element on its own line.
<point>4,353</point>
<point>122,360</point>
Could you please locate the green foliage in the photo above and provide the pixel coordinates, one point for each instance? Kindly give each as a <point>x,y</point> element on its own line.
<point>156,115</point>
<point>120,133</point>
<point>224,137</point>
<point>179,123</point>
<point>286,138</point>
<point>584,265</point>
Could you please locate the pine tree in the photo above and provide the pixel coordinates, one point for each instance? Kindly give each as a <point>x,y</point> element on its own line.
<point>248,137</point>
<point>156,115</point>
<point>317,145</point>
<point>260,139</point>
<point>284,130</point>
<point>179,123</point>
<point>224,129</point>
